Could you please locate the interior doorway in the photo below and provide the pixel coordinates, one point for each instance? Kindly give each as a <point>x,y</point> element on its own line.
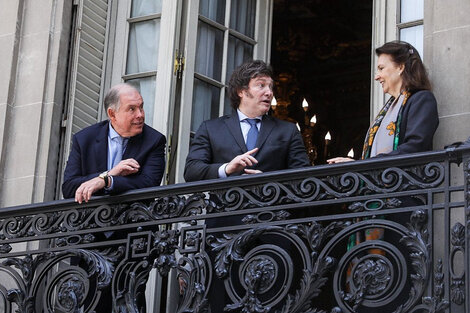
<point>321,52</point>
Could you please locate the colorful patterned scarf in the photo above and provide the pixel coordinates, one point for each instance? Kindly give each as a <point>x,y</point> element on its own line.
<point>378,233</point>
<point>376,124</point>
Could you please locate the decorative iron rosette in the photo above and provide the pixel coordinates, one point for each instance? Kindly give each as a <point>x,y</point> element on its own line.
<point>375,275</point>
<point>267,269</point>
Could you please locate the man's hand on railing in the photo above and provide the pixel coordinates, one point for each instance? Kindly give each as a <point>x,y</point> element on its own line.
<point>86,190</point>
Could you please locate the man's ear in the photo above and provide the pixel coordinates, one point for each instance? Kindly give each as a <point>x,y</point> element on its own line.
<point>111,113</point>
<point>240,92</point>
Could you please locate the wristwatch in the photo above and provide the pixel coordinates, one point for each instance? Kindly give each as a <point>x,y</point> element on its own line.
<point>105,177</point>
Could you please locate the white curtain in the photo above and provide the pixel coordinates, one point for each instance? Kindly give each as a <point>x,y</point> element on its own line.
<point>209,56</point>
<point>142,53</point>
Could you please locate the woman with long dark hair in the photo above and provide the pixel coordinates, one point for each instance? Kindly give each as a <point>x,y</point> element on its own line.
<point>409,119</point>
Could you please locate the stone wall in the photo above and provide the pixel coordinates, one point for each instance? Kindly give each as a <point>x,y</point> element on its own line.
<point>34,37</point>
<point>447,57</point>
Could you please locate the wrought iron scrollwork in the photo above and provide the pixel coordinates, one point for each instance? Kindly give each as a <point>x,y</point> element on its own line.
<point>457,289</point>
<point>196,274</point>
<point>145,250</point>
<point>312,188</point>
<point>70,286</point>
<point>164,207</point>
<point>437,304</point>
<point>375,273</point>
<point>268,258</point>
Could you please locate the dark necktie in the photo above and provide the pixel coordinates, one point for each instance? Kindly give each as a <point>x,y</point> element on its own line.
<point>252,133</point>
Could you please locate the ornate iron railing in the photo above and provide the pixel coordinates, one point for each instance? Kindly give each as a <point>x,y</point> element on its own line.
<point>287,241</point>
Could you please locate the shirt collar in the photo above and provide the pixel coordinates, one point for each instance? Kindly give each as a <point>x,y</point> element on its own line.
<point>112,133</point>
<point>243,117</point>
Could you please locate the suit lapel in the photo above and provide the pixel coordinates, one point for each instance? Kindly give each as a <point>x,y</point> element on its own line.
<point>101,147</point>
<point>233,124</point>
<point>267,126</point>
<point>133,146</point>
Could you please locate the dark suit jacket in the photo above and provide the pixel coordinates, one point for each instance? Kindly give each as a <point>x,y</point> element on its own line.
<point>219,140</point>
<point>88,159</point>
<point>418,125</point>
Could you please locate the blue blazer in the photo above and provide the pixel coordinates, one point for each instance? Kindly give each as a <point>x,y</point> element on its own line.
<point>219,140</point>
<point>88,159</point>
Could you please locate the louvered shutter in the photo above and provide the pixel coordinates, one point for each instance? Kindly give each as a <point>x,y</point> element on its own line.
<point>86,69</point>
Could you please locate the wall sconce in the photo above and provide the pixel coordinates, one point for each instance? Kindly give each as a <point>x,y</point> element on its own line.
<point>327,143</point>
<point>351,153</point>
<point>305,105</point>
<point>273,103</point>
<point>313,120</point>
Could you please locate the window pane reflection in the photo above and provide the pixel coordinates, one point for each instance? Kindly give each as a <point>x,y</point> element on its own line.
<point>145,7</point>
<point>213,9</point>
<point>227,105</point>
<point>411,10</point>
<point>142,54</point>
<point>209,51</point>
<point>238,52</point>
<point>205,103</point>
<point>242,17</point>
<point>414,36</point>
<point>146,87</point>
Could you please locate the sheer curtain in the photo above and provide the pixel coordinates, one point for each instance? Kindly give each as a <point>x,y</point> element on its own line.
<point>209,54</point>
<point>142,54</point>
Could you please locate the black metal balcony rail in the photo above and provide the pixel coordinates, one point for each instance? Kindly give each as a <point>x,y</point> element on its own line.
<point>287,241</point>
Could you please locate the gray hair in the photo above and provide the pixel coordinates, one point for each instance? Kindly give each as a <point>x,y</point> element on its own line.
<point>113,97</point>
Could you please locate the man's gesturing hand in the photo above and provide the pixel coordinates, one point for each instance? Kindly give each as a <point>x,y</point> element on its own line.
<point>241,161</point>
<point>125,167</point>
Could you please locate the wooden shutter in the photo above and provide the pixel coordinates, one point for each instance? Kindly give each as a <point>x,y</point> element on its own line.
<point>86,68</point>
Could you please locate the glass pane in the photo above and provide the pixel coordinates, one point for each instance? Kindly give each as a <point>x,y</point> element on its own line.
<point>146,87</point>
<point>414,36</point>
<point>238,52</point>
<point>145,7</point>
<point>411,10</point>
<point>213,9</point>
<point>142,54</point>
<point>242,17</point>
<point>209,51</point>
<point>227,105</point>
<point>205,103</point>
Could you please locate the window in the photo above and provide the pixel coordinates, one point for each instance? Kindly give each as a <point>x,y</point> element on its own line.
<point>223,42</point>
<point>142,52</point>
<point>410,23</point>
<point>219,36</point>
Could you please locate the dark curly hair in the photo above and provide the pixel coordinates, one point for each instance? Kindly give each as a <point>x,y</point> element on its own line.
<point>241,77</point>
<point>415,76</point>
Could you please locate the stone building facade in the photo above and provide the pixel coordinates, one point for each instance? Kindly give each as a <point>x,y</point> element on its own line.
<point>57,55</point>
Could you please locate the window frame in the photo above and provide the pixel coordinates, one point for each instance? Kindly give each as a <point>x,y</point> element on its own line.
<point>261,50</point>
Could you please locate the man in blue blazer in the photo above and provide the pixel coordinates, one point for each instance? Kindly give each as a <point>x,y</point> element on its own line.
<point>226,146</point>
<point>116,155</point>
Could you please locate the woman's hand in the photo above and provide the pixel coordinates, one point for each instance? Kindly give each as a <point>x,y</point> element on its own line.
<point>339,160</point>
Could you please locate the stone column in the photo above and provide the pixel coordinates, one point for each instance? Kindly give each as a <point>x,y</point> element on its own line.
<point>447,57</point>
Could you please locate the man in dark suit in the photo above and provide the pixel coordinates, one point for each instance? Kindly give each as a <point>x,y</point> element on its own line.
<point>116,155</point>
<point>248,141</point>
